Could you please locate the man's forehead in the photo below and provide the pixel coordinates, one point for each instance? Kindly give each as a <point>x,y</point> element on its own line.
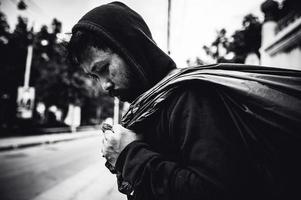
<point>92,52</point>
<point>89,54</point>
<point>96,50</point>
<point>93,55</point>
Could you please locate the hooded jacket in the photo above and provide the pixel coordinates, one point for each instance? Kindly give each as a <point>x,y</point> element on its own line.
<point>127,33</point>
<point>227,131</point>
<point>207,134</point>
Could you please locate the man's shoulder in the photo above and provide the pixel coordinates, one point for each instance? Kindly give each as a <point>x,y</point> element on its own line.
<point>190,94</point>
<point>194,89</point>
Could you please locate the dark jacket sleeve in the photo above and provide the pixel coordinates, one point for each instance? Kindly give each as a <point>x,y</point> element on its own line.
<point>207,164</point>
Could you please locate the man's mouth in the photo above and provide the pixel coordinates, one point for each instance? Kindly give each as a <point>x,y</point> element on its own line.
<point>114,93</point>
<point>117,94</point>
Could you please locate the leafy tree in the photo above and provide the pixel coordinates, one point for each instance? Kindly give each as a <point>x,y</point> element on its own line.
<point>195,62</point>
<point>214,50</point>
<point>12,65</point>
<point>5,96</point>
<point>55,80</point>
<point>4,40</point>
<point>241,43</point>
<point>22,5</point>
<point>59,83</point>
<point>290,6</point>
<point>4,27</point>
<point>247,40</point>
<point>56,26</point>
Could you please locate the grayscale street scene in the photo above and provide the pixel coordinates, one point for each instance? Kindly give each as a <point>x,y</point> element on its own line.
<point>72,169</point>
<point>150,99</point>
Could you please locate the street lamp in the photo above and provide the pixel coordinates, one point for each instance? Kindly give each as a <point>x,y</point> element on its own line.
<point>44,42</point>
<point>26,94</point>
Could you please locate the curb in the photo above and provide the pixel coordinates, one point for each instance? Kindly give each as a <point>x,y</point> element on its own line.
<point>15,143</point>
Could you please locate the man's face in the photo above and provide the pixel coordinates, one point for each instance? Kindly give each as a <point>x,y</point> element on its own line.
<point>111,71</point>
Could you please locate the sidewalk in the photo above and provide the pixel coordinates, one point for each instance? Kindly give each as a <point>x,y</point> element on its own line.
<point>28,141</point>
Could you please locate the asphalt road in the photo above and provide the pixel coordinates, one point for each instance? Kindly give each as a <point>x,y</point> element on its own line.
<point>71,170</point>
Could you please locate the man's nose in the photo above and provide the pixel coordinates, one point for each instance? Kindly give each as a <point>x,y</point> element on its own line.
<point>107,85</point>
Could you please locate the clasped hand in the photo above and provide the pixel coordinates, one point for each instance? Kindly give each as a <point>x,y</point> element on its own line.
<point>115,140</point>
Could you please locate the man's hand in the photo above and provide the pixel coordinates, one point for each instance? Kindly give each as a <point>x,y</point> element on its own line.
<point>115,140</point>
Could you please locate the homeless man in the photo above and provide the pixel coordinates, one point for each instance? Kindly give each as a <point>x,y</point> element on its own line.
<point>223,131</point>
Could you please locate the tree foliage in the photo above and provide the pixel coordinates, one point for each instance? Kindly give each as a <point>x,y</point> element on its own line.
<point>214,50</point>
<point>55,80</point>
<point>247,40</point>
<point>241,43</point>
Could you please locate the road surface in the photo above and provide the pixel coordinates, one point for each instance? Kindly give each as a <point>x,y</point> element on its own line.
<point>71,170</point>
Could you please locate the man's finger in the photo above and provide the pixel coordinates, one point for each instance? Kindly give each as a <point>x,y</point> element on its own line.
<point>102,140</point>
<point>106,126</point>
<point>107,134</point>
<point>117,128</point>
<point>102,144</point>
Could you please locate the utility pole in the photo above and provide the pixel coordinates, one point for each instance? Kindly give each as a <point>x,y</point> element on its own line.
<point>28,66</point>
<point>26,94</point>
<point>116,111</point>
<point>168,26</point>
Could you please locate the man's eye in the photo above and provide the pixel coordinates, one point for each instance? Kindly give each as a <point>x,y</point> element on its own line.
<point>93,76</point>
<point>102,70</point>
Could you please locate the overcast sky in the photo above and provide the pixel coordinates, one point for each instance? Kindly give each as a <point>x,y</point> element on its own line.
<point>193,22</point>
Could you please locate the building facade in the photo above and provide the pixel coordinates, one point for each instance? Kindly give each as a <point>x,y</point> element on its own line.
<point>281,34</point>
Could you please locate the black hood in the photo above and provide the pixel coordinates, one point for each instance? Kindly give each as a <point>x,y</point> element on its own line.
<point>126,32</point>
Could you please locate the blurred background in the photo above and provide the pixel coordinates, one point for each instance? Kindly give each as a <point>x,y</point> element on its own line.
<point>50,112</point>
